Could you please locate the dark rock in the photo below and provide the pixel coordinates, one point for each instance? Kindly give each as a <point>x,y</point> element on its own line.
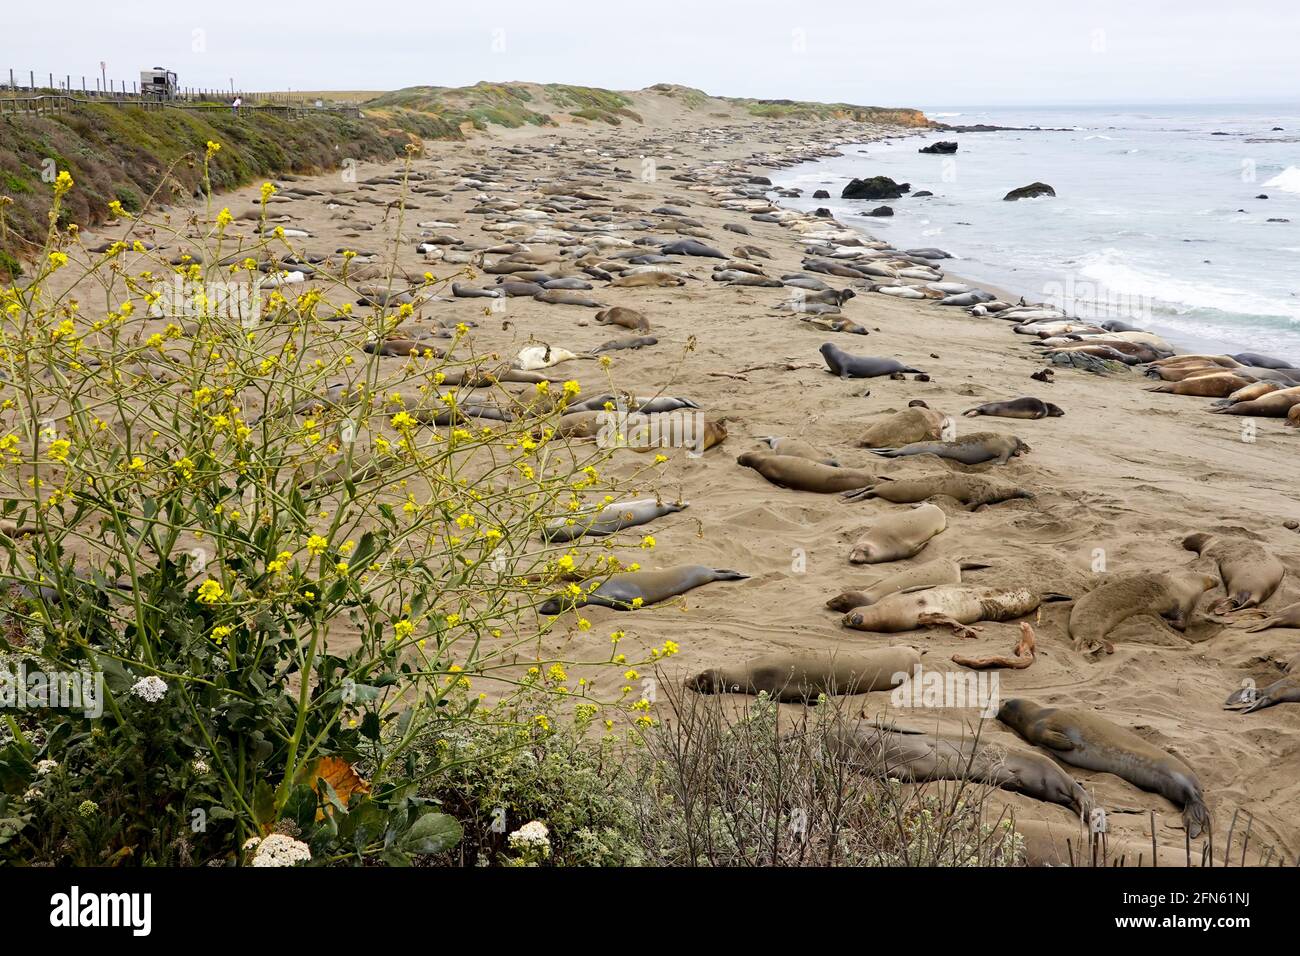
<point>1262,196</point>
<point>943,146</point>
<point>821,194</point>
<point>1030,192</point>
<point>758,180</point>
<point>877,187</point>
<point>923,192</point>
<point>881,211</point>
<point>1279,220</point>
<point>823,212</point>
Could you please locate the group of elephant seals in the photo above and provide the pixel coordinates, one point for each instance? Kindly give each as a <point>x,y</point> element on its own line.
<point>917,422</point>
<point>1086,740</point>
<point>974,449</point>
<point>802,474</point>
<point>924,757</point>
<point>927,575</point>
<point>1170,594</point>
<point>1250,573</point>
<point>955,606</point>
<point>802,676</point>
<point>632,589</point>
<point>1017,408</point>
<point>973,491</point>
<point>898,536</point>
<point>610,519</point>
<point>845,365</point>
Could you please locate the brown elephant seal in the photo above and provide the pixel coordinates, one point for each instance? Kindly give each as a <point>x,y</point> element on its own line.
<point>611,518</point>
<point>626,318</point>
<point>973,449</point>
<point>804,675</point>
<point>1293,417</point>
<point>801,474</point>
<point>897,536</point>
<point>920,758</point>
<point>647,280</point>
<point>1248,393</point>
<point>799,449</point>
<point>912,424</point>
<point>926,575</point>
<point>1026,407</point>
<point>973,491</point>
<point>954,606</point>
<point>693,432</point>
<point>1087,740</point>
<point>566,297</point>
<point>1213,385</point>
<point>1271,404</point>
<point>1250,573</point>
<point>630,590</point>
<point>1288,616</point>
<point>402,347</point>
<point>1172,595</point>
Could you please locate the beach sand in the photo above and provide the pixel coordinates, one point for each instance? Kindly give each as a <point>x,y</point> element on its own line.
<point>1124,471</point>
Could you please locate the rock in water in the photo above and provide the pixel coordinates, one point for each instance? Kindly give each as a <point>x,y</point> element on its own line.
<point>877,187</point>
<point>943,146</point>
<point>881,211</point>
<point>1032,191</point>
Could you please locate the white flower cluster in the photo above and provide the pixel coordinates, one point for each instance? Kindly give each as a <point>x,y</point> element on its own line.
<point>531,836</point>
<point>46,766</point>
<point>150,689</point>
<point>278,850</point>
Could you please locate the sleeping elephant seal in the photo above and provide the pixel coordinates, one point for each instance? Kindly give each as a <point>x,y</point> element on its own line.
<point>924,757</point>
<point>633,589</point>
<point>1213,385</point>
<point>799,449</point>
<point>897,536</point>
<point>1284,691</point>
<point>1250,573</point>
<point>927,575</point>
<point>1087,740</point>
<point>945,606</point>
<point>845,365</point>
<point>1172,595</point>
<point>973,449</point>
<point>917,422</point>
<point>804,675</point>
<point>627,318</point>
<point>973,491</point>
<point>789,471</point>
<point>1017,408</point>
<point>1276,403</point>
<point>613,517</point>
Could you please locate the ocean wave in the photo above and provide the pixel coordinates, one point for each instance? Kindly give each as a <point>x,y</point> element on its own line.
<point>1287,181</point>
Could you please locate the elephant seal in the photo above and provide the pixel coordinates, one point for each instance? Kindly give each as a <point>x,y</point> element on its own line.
<point>801,474</point>
<point>1286,690</point>
<point>1250,573</point>
<point>1276,403</point>
<point>973,491</point>
<point>1089,741</point>
<point>803,675</point>
<point>917,422</point>
<point>627,318</point>
<point>565,297</point>
<point>1017,408</point>
<point>1212,385</point>
<point>611,518</point>
<point>647,280</point>
<point>924,757</point>
<point>799,449</point>
<point>954,606</point>
<point>927,575</point>
<point>1172,595</point>
<point>845,365</point>
<point>897,536</point>
<point>973,449</point>
<point>630,590</point>
<point>1288,616</point>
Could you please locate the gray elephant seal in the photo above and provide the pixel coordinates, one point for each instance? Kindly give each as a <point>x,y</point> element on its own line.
<point>897,536</point>
<point>927,575</point>
<point>1026,407</point>
<point>1172,595</point>
<point>612,518</point>
<point>799,449</point>
<point>917,422</point>
<point>801,474</point>
<point>1288,616</point>
<point>954,606</point>
<point>973,491</point>
<point>925,757</point>
<point>1086,740</point>
<point>1283,691</point>
<point>1250,573</point>
<point>804,675</point>
<point>971,449</point>
<point>633,589</point>
<point>860,366</point>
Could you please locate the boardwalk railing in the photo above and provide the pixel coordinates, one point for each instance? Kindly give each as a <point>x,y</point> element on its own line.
<point>49,103</point>
<point>16,83</point>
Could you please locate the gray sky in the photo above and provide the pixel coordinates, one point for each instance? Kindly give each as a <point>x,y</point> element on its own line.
<point>896,53</point>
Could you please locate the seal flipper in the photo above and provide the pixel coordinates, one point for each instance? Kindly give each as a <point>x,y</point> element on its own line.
<point>972,565</point>
<point>1054,740</point>
<point>726,574</point>
<point>1196,815</point>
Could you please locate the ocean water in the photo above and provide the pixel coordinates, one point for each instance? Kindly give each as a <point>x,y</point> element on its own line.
<point>1155,220</point>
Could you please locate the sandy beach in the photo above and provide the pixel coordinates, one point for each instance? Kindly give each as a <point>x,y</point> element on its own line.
<point>1125,473</point>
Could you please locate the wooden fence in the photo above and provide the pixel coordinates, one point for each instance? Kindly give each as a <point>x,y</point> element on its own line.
<point>50,103</point>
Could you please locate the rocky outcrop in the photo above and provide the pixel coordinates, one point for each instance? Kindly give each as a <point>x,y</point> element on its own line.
<point>1032,191</point>
<point>943,146</point>
<point>877,187</point>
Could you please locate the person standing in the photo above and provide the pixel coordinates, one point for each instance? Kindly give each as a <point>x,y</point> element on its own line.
<point>236,104</point>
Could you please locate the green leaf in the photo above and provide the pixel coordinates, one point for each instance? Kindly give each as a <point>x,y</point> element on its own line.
<point>432,833</point>
<point>263,803</point>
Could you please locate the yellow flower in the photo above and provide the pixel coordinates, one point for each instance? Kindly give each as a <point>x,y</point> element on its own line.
<point>224,218</point>
<point>58,259</point>
<point>402,421</point>
<point>403,629</point>
<point>648,541</point>
<point>220,633</point>
<point>316,545</point>
<point>268,190</point>
<point>59,449</point>
<point>213,148</point>
<point>210,592</point>
<point>466,520</point>
<point>62,183</point>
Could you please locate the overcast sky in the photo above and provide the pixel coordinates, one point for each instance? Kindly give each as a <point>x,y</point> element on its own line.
<point>890,53</point>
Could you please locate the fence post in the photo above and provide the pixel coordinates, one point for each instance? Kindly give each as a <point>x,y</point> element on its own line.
<point>31,78</point>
